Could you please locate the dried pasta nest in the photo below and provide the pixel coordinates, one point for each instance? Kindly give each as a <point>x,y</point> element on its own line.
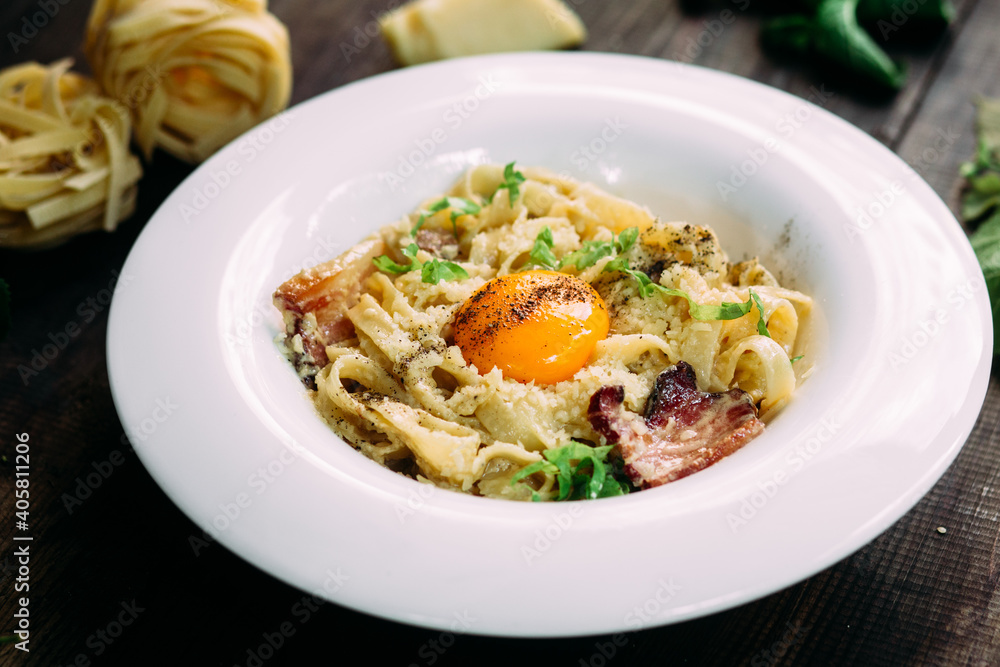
<point>65,165</point>
<point>194,73</point>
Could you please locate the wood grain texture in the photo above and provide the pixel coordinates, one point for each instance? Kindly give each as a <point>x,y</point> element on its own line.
<point>913,596</point>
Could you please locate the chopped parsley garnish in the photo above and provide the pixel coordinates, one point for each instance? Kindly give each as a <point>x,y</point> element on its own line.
<point>594,251</point>
<point>582,472</point>
<point>541,253</point>
<point>431,272</point>
<point>512,180</point>
<point>458,205</point>
<point>585,257</point>
<point>724,311</point>
<point>794,359</point>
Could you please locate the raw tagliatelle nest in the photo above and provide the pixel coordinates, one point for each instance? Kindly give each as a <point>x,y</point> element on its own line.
<point>195,74</point>
<point>65,166</point>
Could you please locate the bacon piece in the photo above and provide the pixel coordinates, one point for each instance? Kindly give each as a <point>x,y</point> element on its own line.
<point>683,431</point>
<point>315,302</point>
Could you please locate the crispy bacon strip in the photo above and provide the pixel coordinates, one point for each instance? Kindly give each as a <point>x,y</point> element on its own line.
<point>683,431</point>
<point>315,302</point>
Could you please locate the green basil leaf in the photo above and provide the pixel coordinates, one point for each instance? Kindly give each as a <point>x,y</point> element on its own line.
<point>437,270</point>
<point>704,312</point>
<point>986,244</point>
<point>761,322</point>
<point>386,263</point>
<point>588,255</point>
<point>541,252</point>
<point>512,180</point>
<point>582,472</point>
<point>420,223</point>
<point>626,239</point>
<point>977,204</point>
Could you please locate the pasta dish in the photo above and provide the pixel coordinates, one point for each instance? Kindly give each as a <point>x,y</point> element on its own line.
<point>529,336</point>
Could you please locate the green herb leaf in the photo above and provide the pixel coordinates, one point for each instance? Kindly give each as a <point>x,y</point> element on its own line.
<point>582,472</point>
<point>704,312</point>
<point>794,359</point>
<point>458,205</point>
<point>761,323</point>
<point>626,239</point>
<point>976,204</point>
<point>4,309</point>
<point>986,244</point>
<point>588,255</point>
<point>512,180</point>
<point>420,223</point>
<point>541,252</point>
<point>386,263</point>
<point>432,272</point>
<point>981,200</point>
<point>437,270</point>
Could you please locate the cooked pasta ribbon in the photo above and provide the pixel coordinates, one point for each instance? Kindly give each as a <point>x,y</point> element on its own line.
<point>65,165</point>
<point>193,73</point>
<point>401,391</point>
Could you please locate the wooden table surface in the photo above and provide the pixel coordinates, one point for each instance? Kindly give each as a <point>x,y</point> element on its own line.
<point>114,578</point>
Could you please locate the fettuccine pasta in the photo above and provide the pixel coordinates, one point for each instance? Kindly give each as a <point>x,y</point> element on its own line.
<point>194,73</point>
<point>393,381</point>
<point>65,165</point>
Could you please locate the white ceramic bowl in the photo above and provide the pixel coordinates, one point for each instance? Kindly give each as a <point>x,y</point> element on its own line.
<point>223,425</point>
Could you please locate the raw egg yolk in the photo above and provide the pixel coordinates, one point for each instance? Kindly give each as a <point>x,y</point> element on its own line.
<point>535,325</point>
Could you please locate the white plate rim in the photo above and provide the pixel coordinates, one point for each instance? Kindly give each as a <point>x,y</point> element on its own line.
<point>284,511</point>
